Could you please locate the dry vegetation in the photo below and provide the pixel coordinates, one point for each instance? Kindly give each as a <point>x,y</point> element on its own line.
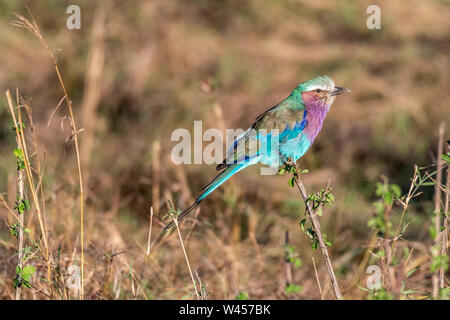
<point>134,73</point>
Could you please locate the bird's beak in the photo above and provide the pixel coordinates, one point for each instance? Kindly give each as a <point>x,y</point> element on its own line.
<point>338,90</point>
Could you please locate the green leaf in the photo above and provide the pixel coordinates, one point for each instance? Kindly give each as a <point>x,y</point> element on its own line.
<point>432,231</point>
<point>14,230</point>
<point>302,224</point>
<point>325,239</point>
<point>330,197</point>
<point>379,208</point>
<point>293,288</point>
<point>26,284</point>
<point>28,271</point>
<point>26,204</point>
<point>23,276</point>
<point>388,198</point>
<point>381,253</point>
<point>130,272</point>
<point>438,262</point>
<point>315,245</point>
<point>444,293</point>
<point>241,296</point>
<point>446,157</point>
<point>297,263</point>
<point>396,190</point>
<point>292,182</point>
<point>310,232</point>
<point>18,153</point>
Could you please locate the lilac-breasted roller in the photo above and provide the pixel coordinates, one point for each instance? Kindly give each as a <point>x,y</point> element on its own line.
<point>285,131</point>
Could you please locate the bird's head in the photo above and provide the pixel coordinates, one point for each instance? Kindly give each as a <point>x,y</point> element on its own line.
<point>320,92</point>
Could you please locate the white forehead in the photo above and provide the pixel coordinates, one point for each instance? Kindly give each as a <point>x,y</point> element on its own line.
<point>322,83</point>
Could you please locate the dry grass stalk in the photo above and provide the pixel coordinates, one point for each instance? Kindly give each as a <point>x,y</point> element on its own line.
<point>156,173</point>
<point>38,170</point>
<point>317,277</point>
<point>323,248</point>
<point>437,205</point>
<point>33,27</point>
<point>185,256</point>
<point>147,253</point>
<point>365,260</point>
<point>444,244</point>
<point>93,87</point>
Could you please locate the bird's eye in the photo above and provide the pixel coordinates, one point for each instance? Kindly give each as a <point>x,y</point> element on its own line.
<point>318,90</point>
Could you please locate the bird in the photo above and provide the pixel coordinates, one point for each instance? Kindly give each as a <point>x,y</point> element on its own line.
<point>283,133</point>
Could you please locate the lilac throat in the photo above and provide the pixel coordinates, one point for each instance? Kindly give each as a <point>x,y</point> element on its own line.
<point>315,116</point>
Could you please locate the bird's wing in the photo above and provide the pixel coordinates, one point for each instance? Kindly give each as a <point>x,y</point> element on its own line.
<point>286,119</point>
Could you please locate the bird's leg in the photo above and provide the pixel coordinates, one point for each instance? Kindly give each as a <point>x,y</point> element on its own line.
<point>294,167</point>
<point>288,162</point>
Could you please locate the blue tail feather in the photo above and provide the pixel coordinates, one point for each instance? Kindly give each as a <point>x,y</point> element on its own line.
<point>221,178</point>
<point>213,185</point>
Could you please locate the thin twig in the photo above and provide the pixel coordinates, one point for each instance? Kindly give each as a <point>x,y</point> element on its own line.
<point>323,248</point>
<point>437,205</point>
<point>21,197</point>
<point>54,111</point>
<point>203,292</point>
<point>317,277</point>
<point>444,245</point>
<point>156,174</point>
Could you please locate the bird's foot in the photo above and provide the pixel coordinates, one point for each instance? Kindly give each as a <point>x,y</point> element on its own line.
<point>293,167</point>
<point>288,162</point>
